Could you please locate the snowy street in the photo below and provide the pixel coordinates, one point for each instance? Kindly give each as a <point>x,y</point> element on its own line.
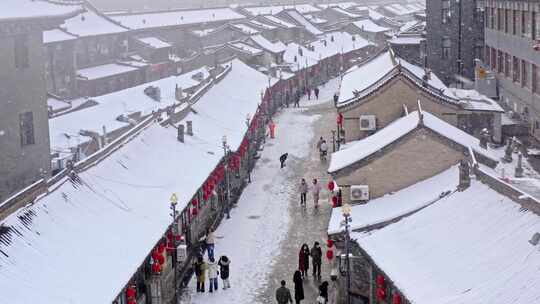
<point>268,226</point>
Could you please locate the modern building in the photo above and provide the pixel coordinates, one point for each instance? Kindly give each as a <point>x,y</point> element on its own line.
<point>455,37</point>
<point>24,129</point>
<point>512,31</point>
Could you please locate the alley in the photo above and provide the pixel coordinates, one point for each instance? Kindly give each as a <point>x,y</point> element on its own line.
<point>268,226</point>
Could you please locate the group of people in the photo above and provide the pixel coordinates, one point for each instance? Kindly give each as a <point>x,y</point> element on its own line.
<point>212,268</point>
<point>297,95</point>
<point>283,294</point>
<point>315,192</point>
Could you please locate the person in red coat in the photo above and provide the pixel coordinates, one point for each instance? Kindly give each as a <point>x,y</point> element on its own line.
<point>303,260</point>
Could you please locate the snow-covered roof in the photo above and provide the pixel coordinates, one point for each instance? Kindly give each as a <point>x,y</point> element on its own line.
<point>304,22</point>
<point>345,12</point>
<point>246,48</point>
<point>357,79</point>
<point>473,100</point>
<point>399,10</point>
<point>176,18</point>
<point>470,247</point>
<point>406,40</point>
<point>28,9</point>
<point>262,25</point>
<point>392,206</point>
<point>154,42</point>
<point>90,23</point>
<point>105,70</point>
<point>272,10</point>
<point>343,43</point>
<point>344,5</point>
<point>315,19</point>
<point>246,29</point>
<point>279,21</point>
<point>409,25</point>
<point>113,105</point>
<point>369,26</point>
<point>374,15</point>
<point>123,204</point>
<point>57,35</point>
<point>396,130</point>
<point>273,47</point>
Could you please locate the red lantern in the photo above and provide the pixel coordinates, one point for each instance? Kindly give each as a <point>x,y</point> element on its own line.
<point>205,196</point>
<point>380,280</point>
<point>156,268</point>
<point>396,299</point>
<point>381,294</point>
<point>195,202</point>
<point>161,259</point>
<point>329,243</point>
<point>194,212</point>
<point>161,248</point>
<point>331,185</point>
<point>334,200</point>
<point>330,254</point>
<point>131,292</point>
<point>131,301</point>
<point>155,255</point>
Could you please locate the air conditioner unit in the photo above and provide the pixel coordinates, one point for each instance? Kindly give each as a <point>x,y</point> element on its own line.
<point>360,193</point>
<point>368,122</point>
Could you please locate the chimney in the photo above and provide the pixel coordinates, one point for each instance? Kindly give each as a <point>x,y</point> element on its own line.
<point>464,175</point>
<point>181,133</point>
<point>189,126</point>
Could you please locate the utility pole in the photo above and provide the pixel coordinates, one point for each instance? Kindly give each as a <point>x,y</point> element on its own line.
<point>174,202</point>
<point>346,211</point>
<point>227,177</point>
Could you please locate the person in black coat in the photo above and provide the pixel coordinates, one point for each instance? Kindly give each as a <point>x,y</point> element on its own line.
<point>298,287</point>
<point>224,263</point>
<point>323,291</point>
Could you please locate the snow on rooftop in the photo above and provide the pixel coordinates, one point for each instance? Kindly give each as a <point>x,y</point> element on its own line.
<point>27,9</point>
<point>272,10</point>
<point>374,15</point>
<point>304,22</point>
<point>177,17</point>
<point>56,35</point>
<point>344,5</point>
<point>369,26</point>
<point>315,19</point>
<point>360,78</point>
<point>246,48</point>
<point>392,206</point>
<point>273,47</point>
<point>280,21</point>
<point>262,25</point>
<point>470,247</point>
<point>246,29</point>
<point>345,12</point>
<point>396,130</point>
<point>113,105</point>
<point>123,205</point>
<point>407,40</point>
<point>90,23</point>
<point>105,70</point>
<point>154,42</point>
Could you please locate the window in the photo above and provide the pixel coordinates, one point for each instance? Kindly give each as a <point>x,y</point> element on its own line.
<point>507,65</point>
<point>478,50</point>
<point>26,121</point>
<point>525,24</point>
<point>514,22</point>
<point>515,69</point>
<point>524,74</point>
<point>500,19</point>
<point>493,59</point>
<point>534,25</point>
<point>535,79</point>
<point>445,11</point>
<point>446,44</point>
<point>507,20</point>
<point>500,61</point>
<point>21,51</point>
<point>487,53</point>
<point>492,18</point>
<point>487,17</point>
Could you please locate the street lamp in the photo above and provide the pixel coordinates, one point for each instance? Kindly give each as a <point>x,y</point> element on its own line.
<point>174,203</point>
<point>346,211</point>
<point>227,178</point>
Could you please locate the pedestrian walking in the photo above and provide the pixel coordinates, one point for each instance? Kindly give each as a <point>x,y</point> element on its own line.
<point>272,128</point>
<point>336,98</point>
<point>303,260</point>
<point>210,244</point>
<point>287,99</point>
<point>282,159</point>
<point>224,263</point>
<point>316,91</point>
<point>316,259</point>
<point>212,275</point>
<point>323,293</point>
<point>323,150</point>
<point>283,294</point>
<point>297,102</point>
<point>308,90</point>
<point>200,271</point>
<point>298,287</point>
<point>303,192</point>
<point>315,191</point>
<point>319,143</point>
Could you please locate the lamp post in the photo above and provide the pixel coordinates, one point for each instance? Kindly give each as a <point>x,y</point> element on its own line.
<point>346,211</point>
<point>248,121</point>
<point>174,202</point>
<point>227,179</point>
